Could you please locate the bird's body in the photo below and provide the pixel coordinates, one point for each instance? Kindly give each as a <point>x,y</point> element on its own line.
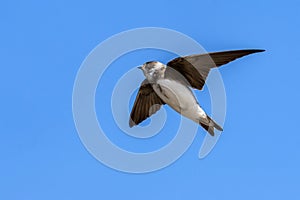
<point>171,84</point>
<point>179,97</point>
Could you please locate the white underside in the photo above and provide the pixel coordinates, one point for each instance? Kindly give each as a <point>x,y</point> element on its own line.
<point>180,98</point>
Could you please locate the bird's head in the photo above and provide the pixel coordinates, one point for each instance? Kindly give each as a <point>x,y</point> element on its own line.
<point>153,70</point>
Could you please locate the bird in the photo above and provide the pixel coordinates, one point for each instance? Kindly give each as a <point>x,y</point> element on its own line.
<point>173,84</point>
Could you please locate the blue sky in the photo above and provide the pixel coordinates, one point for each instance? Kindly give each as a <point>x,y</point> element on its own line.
<point>42,47</point>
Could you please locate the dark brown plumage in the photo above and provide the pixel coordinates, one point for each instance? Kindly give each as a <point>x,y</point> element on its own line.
<point>195,68</point>
<point>146,104</point>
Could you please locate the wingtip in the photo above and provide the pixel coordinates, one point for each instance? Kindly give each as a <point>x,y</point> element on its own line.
<point>257,50</point>
<point>252,51</point>
<point>132,123</point>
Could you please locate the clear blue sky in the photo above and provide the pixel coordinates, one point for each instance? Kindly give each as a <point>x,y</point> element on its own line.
<point>42,47</point>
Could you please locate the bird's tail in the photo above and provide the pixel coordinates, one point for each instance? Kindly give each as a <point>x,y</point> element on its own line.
<point>210,126</point>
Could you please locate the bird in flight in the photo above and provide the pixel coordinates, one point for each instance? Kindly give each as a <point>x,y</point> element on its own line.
<point>172,84</point>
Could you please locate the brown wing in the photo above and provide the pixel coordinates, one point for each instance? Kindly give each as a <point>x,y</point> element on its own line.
<point>146,104</point>
<point>195,68</point>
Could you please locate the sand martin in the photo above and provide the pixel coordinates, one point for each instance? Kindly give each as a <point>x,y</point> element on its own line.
<point>172,84</point>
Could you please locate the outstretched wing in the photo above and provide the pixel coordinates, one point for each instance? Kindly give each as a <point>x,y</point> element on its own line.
<point>195,68</point>
<point>146,104</point>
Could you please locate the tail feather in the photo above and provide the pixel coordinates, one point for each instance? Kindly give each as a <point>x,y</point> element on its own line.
<point>210,127</point>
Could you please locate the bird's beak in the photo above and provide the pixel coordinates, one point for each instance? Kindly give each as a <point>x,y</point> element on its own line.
<point>140,67</point>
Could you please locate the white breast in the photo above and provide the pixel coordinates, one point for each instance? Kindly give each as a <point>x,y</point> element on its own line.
<point>179,97</point>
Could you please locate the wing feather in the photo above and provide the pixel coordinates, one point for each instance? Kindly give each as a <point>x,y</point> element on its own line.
<point>195,68</point>
<point>146,104</point>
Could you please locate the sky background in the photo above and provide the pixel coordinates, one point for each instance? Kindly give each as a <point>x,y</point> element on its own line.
<point>43,44</point>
